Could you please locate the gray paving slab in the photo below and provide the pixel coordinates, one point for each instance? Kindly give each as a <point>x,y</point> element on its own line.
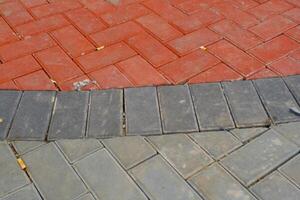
<point>69,116</point>
<point>246,134</point>
<point>216,143</point>
<point>293,83</point>
<point>129,151</point>
<point>28,192</point>
<point>246,107</point>
<point>33,115</point>
<point>23,147</point>
<point>86,197</point>
<point>277,99</point>
<point>276,187</point>
<point>78,148</point>
<point>142,111</point>
<point>52,175</point>
<point>105,114</point>
<point>8,106</point>
<point>177,110</point>
<point>114,182</point>
<point>290,131</point>
<point>215,183</point>
<point>211,107</point>
<point>11,175</point>
<point>160,181</point>
<point>291,170</point>
<point>259,157</point>
<point>182,153</point>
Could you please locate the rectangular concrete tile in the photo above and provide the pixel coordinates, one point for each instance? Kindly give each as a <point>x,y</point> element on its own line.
<point>129,151</point>
<point>11,175</point>
<point>105,114</point>
<point>182,153</point>
<point>277,99</point>
<point>293,83</point>
<point>26,193</point>
<point>215,183</point>
<point>160,181</point>
<point>245,105</point>
<point>8,106</point>
<point>211,107</point>
<point>216,143</point>
<point>52,175</point>
<point>177,110</point>
<point>69,116</point>
<point>246,134</point>
<point>23,147</point>
<point>33,115</point>
<point>78,148</point>
<point>259,157</point>
<point>291,170</point>
<point>276,187</point>
<point>290,131</point>
<point>142,112</point>
<point>106,179</point>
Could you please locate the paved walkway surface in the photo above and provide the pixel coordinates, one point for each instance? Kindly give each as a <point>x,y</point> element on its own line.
<point>243,164</point>
<point>50,45</point>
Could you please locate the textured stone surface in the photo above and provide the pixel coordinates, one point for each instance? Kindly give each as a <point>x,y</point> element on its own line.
<point>69,116</point>
<point>105,118</point>
<point>214,183</point>
<point>182,153</point>
<point>273,150</point>
<point>112,177</point>
<point>290,131</point>
<point>277,100</point>
<point>245,104</point>
<point>216,143</point>
<point>245,134</point>
<point>33,115</point>
<point>9,102</point>
<point>159,181</point>
<point>26,193</point>
<point>276,187</point>
<point>177,110</point>
<point>53,176</point>
<point>211,107</point>
<point>142,112</point>
<point>129,151</point>
<point>291,169</point>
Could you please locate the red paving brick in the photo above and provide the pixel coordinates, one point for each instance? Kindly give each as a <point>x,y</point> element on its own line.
<point>51,44</point>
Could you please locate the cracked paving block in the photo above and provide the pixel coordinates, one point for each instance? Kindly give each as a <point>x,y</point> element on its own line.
<point>52,175</point>
<point>246,134</point>
<point>276,187</point>
<point>291,170</point>
<point>33,115</point>
<point>182,153</point>
<point>129,151</point>
<point>215,183</point>
<point>114,183</point>
<point>177,110</point>
<point>8,106</point>
<point>11,175</point>
<point>211,107</point>
<point>69,116</point>
<point>79,148</point>
<point>293,83</point>
<point>142,112</point>
<point>23,147</point>
<point>160,181</point>
<point>259,157</point>
<point>105,114</point>
<point>216,143</point>
<point>277,99</point>
<point>246,107</point>
<point>86,197</point>
<point>26,193</point>
<point>290,131</point>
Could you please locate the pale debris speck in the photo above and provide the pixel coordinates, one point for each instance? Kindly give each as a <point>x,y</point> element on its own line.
<point>203,48</point>
<point>99,48</point>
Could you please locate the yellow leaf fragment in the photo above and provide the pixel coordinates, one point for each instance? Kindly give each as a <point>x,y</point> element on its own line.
<point>21,163</point>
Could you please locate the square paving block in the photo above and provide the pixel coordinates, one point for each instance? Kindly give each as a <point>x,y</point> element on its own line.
<point>291,170</point>
<point>177,111</point>
<point>259,157</point>
<point>26,193</point>
<point>289,130</point>
<point>33,116</point>
<point>246,134</point>
<point>182,153</point>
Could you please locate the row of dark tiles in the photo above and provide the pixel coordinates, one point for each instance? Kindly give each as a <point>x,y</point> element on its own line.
<point>47,115</point>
